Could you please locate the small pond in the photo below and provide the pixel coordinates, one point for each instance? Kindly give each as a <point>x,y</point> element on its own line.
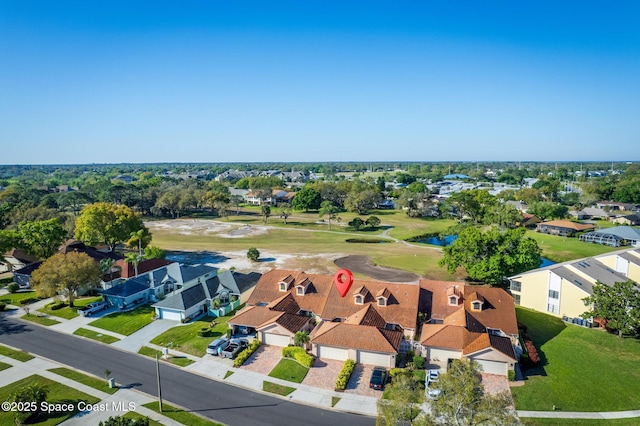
<point>449,239</point>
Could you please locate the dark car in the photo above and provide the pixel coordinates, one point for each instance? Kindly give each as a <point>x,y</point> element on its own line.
<point>378,378</point>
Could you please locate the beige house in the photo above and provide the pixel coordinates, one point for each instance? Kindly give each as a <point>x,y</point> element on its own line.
<point>559,289</point>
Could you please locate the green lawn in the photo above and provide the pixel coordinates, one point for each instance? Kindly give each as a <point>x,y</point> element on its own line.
<point>4,366</point>
<point>581,369</point>
<point>68,312</point>
<point>561,249</point>
<point>579,422</point>
<point>125,322</point>
<point>104,338</point>
<point>39,320</point>
<point>100,384</point>
<point>184,338</point>
<point>58,394</point>
<point>290,370</point>
<point>15,298</point>
<point>17,355</point>
<point>334,400</point>
<point>135,416</point>
<point>276,388</point>
<point>228,373</point>
<point>179,361</point>
<point>180,416</point>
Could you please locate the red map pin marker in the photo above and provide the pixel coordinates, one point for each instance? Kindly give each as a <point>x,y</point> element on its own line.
<point>343,280</point>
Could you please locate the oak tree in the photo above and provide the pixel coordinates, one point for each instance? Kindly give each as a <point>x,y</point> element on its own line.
<point>68,274</point>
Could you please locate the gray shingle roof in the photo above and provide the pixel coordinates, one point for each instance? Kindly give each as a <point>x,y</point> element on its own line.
<point>128,288</point>
<point>190,272</point>
<point>185,299</point>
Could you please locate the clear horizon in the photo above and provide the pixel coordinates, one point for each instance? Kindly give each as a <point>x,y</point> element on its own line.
<point>208,82</point>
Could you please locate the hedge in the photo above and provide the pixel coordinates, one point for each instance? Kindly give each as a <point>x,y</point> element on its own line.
<point>299,354</point>
<point>245,354</point>
<point>345,374</point>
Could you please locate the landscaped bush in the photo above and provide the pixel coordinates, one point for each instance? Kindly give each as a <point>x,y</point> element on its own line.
<point>205,332</point>
<point>2,306</point>
<point>345,374</point>
<point>511,375</point>
<point>299,354</point>
<point>29,301</point>
<point>395,371</point>
<point>54,306</point>
<point>534,358</point>
<point>418,362</point>
<point>13,287</point>
<point>245,354</point>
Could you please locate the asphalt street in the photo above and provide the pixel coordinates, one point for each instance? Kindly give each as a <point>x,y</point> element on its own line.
<point>218,401</point>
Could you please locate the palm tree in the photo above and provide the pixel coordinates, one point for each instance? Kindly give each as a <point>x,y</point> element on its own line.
<point>134,259</point>
<point>301,338</point>
<point>137,236</point>
<point>106,266</point>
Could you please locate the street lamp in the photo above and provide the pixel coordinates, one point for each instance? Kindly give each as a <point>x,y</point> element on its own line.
<point>158,375</point>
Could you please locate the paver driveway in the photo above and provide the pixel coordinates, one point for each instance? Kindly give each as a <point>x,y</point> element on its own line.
<point>264,359</point>
<point>323,374</point>
<point>494,384</point>
<point>359,382</point>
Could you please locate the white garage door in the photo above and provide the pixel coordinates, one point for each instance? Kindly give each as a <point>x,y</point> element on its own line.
<point>493,367</point>
<point>374,358</point>
<point>171,315</point>
<point>333,353</point>
<point>276,339</point>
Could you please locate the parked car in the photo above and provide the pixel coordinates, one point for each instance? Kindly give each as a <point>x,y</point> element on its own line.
<point>217,345</point>
<point>378,378</point>
<point>234,348</point>
<point>93,308</point>
<point>433,376</point>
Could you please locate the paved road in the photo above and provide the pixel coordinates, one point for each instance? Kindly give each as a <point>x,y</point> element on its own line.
<point>221,402</point>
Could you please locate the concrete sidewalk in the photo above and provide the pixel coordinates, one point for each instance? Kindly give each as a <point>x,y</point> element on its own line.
<point>116,404</point>
<point>607,415</point>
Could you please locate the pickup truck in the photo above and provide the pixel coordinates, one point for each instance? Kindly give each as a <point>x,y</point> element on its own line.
<point>92,308</point>
<point>234,348</point>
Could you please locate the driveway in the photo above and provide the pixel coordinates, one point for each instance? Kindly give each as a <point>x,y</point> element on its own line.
<point>494,383</point>
<point>323,374</point>
<point>359,382</point>
<point>264,359</point>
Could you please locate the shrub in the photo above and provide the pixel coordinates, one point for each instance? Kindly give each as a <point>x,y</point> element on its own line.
<point>395,371</point>
<point>54,306</point>
<point>418,362</point>
<point>299,354</point>
<point>345,374</point>
<point>13,287</point>
<point>29,301</point>
<point>204,332</point>
<point>245,354</point>
<point>2,306</point>
<point>512,375</point>
<point>531,350</point>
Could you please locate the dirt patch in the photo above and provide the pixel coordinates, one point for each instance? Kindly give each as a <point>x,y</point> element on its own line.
<point>363,265</point>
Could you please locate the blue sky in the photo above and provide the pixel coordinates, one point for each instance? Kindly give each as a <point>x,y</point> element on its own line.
<point>220,81</point>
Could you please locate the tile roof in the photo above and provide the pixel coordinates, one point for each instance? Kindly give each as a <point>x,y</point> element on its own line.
<point>367,316</point>
<point>292,322</point>
<point>286,303</point>
<point>567,224</point>
<point>254,316</point>
<point>351,336</point>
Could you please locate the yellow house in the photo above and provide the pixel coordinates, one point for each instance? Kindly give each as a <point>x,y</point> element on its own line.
<point>559,289</point>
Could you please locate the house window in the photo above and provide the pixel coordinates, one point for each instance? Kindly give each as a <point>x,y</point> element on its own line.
<point>516,286</point>
<point>476,306</point>
<point>553,308</point>
<point>359,299</point>
<point>516,299</point>
<point>300,291</point>
<point>283,287</point>
<point>553,294</point>
<point>453,300</point>
<point>382,301</point>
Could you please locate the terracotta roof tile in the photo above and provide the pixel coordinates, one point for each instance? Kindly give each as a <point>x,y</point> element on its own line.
<point>254,316</point>
<point>286,303</point>
<point>367,316</point>
<point>384,292</point>
<point>568,224</point>
<point>291,322</point>
<point>350,336</point>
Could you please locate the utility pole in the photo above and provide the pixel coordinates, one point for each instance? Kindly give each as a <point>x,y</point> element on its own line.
<point>158,375</point>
